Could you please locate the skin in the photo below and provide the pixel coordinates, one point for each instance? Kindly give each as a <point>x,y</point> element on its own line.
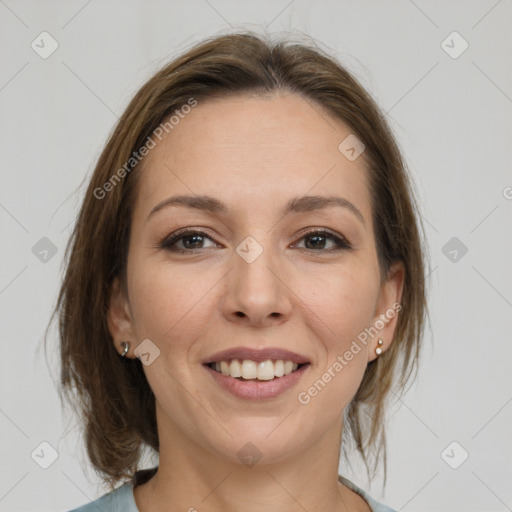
<point>254,154</point>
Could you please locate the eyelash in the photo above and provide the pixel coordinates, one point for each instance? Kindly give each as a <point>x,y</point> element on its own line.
<point>168,242</point>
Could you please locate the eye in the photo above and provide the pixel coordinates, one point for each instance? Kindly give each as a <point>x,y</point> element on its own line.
<point>319,238</point>
<point>190,239</point>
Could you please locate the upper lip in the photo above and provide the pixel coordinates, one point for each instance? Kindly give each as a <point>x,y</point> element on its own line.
<point>257,355</point>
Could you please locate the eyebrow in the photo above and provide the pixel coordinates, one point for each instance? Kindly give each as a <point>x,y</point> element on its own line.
<point>295,205</point>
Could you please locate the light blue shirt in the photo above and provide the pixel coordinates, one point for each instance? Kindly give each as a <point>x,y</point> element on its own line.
<point>122,500</point>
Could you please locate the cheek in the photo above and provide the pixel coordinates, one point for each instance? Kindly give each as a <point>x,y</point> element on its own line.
<point>168,303</point>
<point>339,308</point>
<point>336,317</point>
<point>341,304</point>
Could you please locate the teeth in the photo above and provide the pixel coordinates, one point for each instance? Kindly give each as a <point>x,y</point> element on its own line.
<point>247,369</point>
<point>224,368</point>
<point>266,370</point>
<point>235,368</point>
<point>279,368</point>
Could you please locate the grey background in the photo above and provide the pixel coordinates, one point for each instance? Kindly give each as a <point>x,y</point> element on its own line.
<point>452,117</point>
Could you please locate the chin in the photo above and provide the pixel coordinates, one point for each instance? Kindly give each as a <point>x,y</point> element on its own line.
<point>260,442</point>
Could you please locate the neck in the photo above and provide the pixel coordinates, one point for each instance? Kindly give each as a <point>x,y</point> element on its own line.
<point>193,478</point>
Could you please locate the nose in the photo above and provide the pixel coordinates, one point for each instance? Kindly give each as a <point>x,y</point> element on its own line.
<point>257,292</point>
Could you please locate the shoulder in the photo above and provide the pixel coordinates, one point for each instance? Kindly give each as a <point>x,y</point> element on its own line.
<point>118,500</point>
<point>374,505</point>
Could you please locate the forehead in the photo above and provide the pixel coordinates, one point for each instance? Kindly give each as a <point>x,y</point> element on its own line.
<point>247,150</point>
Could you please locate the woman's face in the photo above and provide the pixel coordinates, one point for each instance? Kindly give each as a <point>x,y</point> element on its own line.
<point>258,276</point>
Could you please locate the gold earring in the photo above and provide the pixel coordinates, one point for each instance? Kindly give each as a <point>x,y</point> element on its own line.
<point>378,349</point>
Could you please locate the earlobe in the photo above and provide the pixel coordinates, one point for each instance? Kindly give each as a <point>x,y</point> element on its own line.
<point>378,349</point>
<point>387,310</point>
<point>119,317</point>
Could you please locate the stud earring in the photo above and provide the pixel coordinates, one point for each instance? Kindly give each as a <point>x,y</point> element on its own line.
<point>378,350</point>
<point>126,345</point>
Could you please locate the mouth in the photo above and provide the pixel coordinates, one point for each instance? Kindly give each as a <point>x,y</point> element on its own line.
<point>255,381</point>
<point>247,370</point>
<point>256,374</point>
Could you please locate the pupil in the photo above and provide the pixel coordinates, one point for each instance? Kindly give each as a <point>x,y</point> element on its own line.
<point>317,237</point>
<point>186,239</point>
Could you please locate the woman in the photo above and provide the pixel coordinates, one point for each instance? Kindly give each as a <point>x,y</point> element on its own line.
<point>245,285</point>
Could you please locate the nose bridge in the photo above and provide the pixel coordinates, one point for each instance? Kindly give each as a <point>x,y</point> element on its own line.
<point>255,287</point>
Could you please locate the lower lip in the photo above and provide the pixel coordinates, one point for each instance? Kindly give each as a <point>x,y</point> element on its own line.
<point>258,389</point>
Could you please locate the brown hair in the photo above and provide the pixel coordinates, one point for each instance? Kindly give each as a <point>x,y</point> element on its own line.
<point>110,393</point>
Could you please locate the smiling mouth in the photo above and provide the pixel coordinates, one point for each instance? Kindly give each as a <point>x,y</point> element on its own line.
<point>248,370</point>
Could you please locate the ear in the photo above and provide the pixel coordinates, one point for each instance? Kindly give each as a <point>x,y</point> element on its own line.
<point>119,318</point>
<point>387,309</point>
